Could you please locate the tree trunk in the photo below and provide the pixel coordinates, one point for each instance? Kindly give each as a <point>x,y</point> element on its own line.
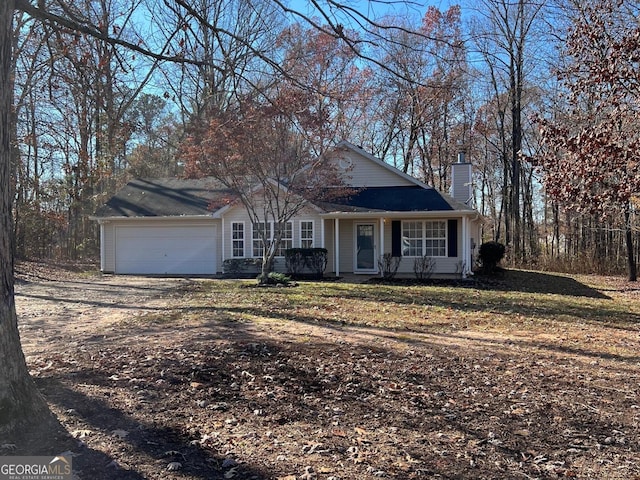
<point>20,402</point>
<point>268,259</point>
<point>631,261</point>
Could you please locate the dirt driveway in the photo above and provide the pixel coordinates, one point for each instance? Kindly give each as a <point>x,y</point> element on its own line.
<point>151,382</point>
<point>54,311</point>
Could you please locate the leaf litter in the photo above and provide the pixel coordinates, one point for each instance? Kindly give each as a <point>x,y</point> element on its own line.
<point>214,397</point>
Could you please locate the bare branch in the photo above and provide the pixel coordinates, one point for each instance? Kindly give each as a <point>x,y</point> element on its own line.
<point>54,20</point>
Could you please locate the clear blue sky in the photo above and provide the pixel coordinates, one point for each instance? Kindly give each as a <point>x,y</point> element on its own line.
<point>376,9</point>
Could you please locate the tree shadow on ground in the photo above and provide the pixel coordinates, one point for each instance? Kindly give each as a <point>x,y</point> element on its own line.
<point>421,402</point>
<point>527,281</point>
<point>48,441</point>
<point>576,302</point>
<point>131,443</point>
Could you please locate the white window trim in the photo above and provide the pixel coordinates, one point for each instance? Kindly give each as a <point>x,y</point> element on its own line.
<point>272,233</point>
<point>244,239</point>
<point>254,239</point>
<point>425,238</point>
<point>313,232</point>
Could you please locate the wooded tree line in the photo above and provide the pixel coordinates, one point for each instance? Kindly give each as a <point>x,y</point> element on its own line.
<point>542,96</point>
<point>413,87</point>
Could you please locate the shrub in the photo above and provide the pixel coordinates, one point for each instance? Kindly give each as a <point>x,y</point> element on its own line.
<point>313,259</point>
<point>317,261</point>
<point>490,255</point>
<point>240,266</point>
<point>423,267</point>
<point>276,278</point>
<point>388,265</point>
<point>294,259</point>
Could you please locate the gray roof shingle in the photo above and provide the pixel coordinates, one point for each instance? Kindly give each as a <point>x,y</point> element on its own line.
<point>170,197</point>
<point>167,197</point>
<point>395,199</point>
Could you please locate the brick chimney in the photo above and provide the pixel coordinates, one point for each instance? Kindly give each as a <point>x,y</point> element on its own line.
<point>461,181</point>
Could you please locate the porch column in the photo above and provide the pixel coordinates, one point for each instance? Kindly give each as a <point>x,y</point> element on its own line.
<point>222,245</point>
<point>322,239</point>
<point>336,235</point>
<point>465,246</point>
<point>381,242</point>
<point>102,244</point>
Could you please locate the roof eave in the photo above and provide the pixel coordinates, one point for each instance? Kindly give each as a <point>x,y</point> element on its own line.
<point>158,218</point>
<point>396,214</point>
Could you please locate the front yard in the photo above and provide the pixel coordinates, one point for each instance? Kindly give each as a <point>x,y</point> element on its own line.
<point>528,376</point>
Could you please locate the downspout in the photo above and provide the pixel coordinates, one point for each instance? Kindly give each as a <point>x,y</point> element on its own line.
<point>102,249</point>
<point>381,250</point>
<point>465,246</point>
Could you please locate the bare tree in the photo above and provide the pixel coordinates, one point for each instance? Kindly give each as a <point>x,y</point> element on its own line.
<point>323,64</point>
<point>156,136</point>
<point>20,402</point>
<point>232,43</point>
<point>265,154</point>
<point>505,36</point>
<point>590,160</point>
<point>420,113</point>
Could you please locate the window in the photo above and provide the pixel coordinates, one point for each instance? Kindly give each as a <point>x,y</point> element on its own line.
<point>285,242</point>
<point>424,239</point>
<point>258,245</point>
<point>237,239</point>
<point>306,234</point>
<point>412,239</point>
<point>435,239</point>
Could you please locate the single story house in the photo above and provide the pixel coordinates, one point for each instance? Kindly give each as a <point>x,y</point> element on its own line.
<point>190,226</point>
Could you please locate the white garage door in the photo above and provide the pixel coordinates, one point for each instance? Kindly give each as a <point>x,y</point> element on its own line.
<point>164,250</point>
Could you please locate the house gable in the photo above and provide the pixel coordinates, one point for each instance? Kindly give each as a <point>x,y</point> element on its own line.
<point>362,169</point>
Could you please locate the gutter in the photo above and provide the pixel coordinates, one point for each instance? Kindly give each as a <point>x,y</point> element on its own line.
<point>394,214</point>
<point>103,220</point>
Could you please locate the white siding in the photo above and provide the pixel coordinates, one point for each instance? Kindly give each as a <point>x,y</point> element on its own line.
<point>444,266</point>
<point>364,172</point>
<point>239,214</point>
<point>108,248</point>
<point>329,244</point>
<point>346,253</point>
<point>347,246</point>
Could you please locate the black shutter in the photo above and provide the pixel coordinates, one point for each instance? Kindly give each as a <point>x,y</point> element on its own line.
<point>396,238</point>
<point>452,226</point>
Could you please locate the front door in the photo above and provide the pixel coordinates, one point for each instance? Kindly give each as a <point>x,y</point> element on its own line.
<point>365,248</point>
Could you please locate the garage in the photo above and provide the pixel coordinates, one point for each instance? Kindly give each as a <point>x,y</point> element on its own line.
<point>165,250</point>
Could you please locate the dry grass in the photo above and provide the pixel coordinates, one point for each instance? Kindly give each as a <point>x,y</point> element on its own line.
<point>518,303</point>
<point>528,375</point>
